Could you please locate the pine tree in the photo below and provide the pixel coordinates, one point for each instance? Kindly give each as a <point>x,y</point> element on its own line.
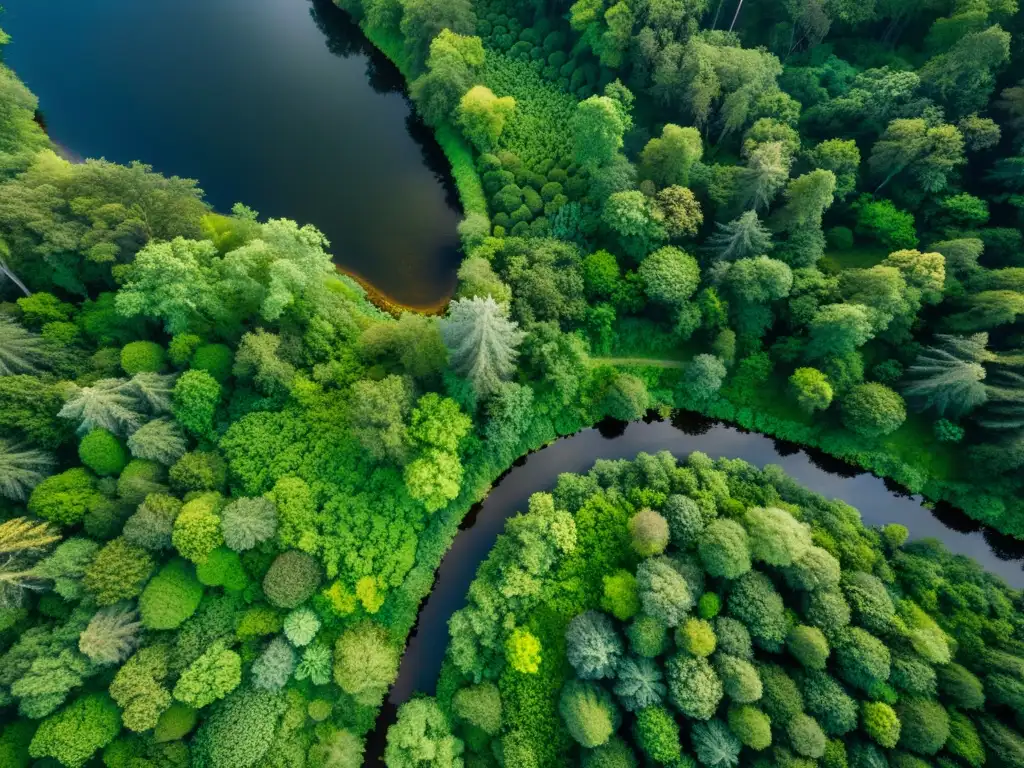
<point>740,239</point>
<point>21,470</point>
<point>950,377</point>
<point>152,391</point>
<point>160,440</point>
<point>482,342</point>
<point>766,172</point>
<point>109,403</point>
<point>112,635</point>
<point>21,542</point>
<point>20,351</point>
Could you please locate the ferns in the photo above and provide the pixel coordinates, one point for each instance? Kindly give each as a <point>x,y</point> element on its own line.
<point>21,470</point>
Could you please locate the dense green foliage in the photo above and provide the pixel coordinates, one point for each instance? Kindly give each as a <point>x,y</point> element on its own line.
<point>835,644</point>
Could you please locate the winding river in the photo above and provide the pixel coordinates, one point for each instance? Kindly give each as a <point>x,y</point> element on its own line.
<point>878,500</point>
<point>280,104</point>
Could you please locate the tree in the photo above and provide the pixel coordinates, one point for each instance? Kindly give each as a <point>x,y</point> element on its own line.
<point>716,746</point>
<point>780,698</point>
<point>422,737</point>
<point>657,734</point>
<point>837,330</point>
<point>882,221</point>
<point>597,128</point>
<point>881,723</point>
<point>117,572</point>
<point>873,410</point>
<point>292,579</point>
<point>20,350</point>
<point>739,678</point>
<point>924,725</point>
<point>678,211</point>
<point>452,67</point>
<point>635,219</point>
<point>696,637</point>
<point>482,342</point>
<point>842,158</point>
<point>649,532</point>
<point>377,414</point>
<point>246,522</point>
<point>365,662</point>
<point>638,684</point>
<point>238,732</point>
<point>112,635</point>
<point>339,749</point>
<point>670,276</point>
<point>74,734</point>
<point>482,116</point>
<point>589,713</point>
<point>215,674</point>
<point>160,440</point>
<point>806,736</point>
<point>754,601</point>
<point>423,22</point>
<point>828,701</point>
<point>272,669</point>
<point>171,596</point>
<point>863,659</point>
<point>101,452</point>
<point>107,404</point>
<point>479,705</point>
<point>21,470</point>
<point>704,375</point>
<point>751,726</point>
<point>196,397</point>
<point>927,154</point>
<point>197,528</point>
<point>666,160</point>
<point>592,646</point>
<point>620,597</point>
<point>765,173</point>
<point>807,199</point>
<point>693,687</point>
<point>741,238</point>
<point>664,593</point>
<point>808,646</point>
<point>723,549</point>
<point>775,536</point>
<point>811,389</point>
<point>949,377</point>
<point>963,78</point>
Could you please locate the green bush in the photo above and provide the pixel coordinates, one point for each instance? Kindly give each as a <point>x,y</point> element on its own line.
<point>292,579</point>
<point>215,359</point>
<point>103,453</point>
<point>171,596</point>
<point>143,357</point>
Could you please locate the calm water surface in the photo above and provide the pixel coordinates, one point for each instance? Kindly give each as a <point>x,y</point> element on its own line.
<point>280,104</point>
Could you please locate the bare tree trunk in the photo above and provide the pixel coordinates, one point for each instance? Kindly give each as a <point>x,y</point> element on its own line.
<point>736,15</point>
<point>5,270</point>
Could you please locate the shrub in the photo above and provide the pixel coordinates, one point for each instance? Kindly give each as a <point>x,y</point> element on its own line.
<point>212,676</point>
<point>65,499</point>
<point>180,350</point>
<point>102,452</point>
<point>873,410</point>
<point>142,357</point>
<point>709,605</point>
<point>657,734</point>
<point>589,714</point>
<point>171,596</point>
<point>292,579</point>
<point>523,651</point>
<point>649,531</point>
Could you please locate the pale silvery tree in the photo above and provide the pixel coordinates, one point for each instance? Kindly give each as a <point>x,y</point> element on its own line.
<point>482,342</point>
<point>21,351</point>
<point>950,377</point>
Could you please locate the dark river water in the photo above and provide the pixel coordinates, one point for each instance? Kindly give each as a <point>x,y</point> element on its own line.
<point>878,501</point>
<point>280,104</point>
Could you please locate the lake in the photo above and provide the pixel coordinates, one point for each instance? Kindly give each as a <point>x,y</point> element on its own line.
<point>281,104</point>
